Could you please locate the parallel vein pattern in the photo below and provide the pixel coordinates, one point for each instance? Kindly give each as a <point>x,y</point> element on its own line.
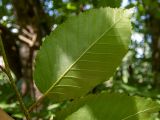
<point>82,52</point>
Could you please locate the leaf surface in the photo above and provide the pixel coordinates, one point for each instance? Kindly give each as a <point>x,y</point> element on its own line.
<point>104,3</point>
<point>82,52</point>
<point>110,106</point>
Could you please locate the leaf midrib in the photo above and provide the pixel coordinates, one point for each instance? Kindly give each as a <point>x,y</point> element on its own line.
<point>139,112</point>
<point>61,77</point>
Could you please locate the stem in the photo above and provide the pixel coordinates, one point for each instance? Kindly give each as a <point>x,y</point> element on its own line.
<point>22,105</point>
<point>36,103</point>
<point>3,69</point>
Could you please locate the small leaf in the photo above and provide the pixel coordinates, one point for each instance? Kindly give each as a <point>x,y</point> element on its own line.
<point>109,106</point>
<point>82,52</point>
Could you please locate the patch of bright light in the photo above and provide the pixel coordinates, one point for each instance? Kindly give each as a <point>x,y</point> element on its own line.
<point>51,12</point>
<point>87,7</point>
<point>9,6</point>
<point>9,25</point>
<point>143,17</point>
<point>50,4</point>
<point>137,37</point>
<point>65,1</point>
<point>124,3</point>
<point>5,18</point>
<point>14,30</point>
<point>139,52</point>
<point>54,27</point>
<point>1,61</point>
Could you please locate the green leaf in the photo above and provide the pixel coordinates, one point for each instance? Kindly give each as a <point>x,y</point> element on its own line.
<point>109,106</point>
<point>110,3</point>
<point>82,52</point>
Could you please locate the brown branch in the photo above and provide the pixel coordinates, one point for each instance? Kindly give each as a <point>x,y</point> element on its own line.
<point>4,115</point>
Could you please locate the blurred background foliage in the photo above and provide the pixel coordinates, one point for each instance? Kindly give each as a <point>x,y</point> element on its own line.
<point>24,23</point>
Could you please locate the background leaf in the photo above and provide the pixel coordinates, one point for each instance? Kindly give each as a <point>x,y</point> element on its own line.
<point>109,106</point>
<point>104,3</point>
<point>82,52</point>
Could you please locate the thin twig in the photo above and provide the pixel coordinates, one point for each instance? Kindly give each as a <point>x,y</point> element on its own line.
<point>7,69</point>
<point>36,103</point>
<point>3,69</point>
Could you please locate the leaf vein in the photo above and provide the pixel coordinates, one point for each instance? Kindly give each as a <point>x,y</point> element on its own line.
<point>61,77</point>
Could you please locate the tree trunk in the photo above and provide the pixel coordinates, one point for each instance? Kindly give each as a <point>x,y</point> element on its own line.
<point>33,23</point>
<point>155,32</point>
<point>153,27</point>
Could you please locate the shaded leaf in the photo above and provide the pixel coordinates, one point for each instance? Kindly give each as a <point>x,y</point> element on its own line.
<point>109,3</point>
<point>110,106</point>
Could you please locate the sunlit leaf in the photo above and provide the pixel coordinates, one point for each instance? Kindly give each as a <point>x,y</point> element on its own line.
<point>82,52</point>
